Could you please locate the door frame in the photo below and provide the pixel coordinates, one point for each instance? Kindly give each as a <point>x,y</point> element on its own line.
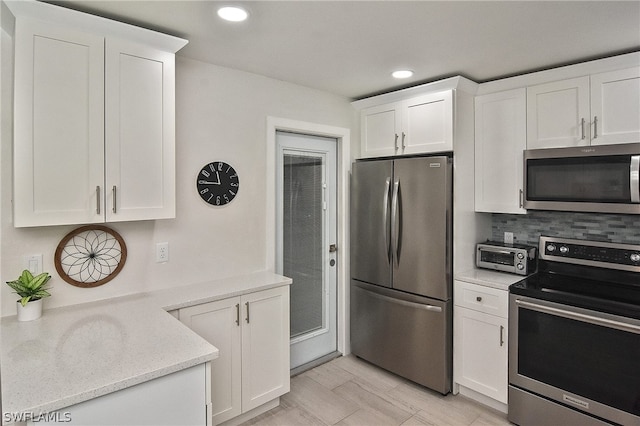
<point>343,136</point>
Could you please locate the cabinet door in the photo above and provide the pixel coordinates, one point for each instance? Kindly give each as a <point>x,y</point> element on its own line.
<point>500,139</point>
<point>140,133</point>
<point>59,122</point>
<point>480,352</point>
<point>380,128</point>
<point>558,114</point>
<point>218,323</point>
<point>427,123</point>
<point>265,346</point>
<point>615,107</point>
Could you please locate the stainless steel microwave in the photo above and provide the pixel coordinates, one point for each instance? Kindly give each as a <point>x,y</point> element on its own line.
<point>604,179</point>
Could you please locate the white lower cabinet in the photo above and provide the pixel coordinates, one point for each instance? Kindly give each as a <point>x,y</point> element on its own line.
<point>481,339</point>
<point>179,398</point>
<point>251,333</point>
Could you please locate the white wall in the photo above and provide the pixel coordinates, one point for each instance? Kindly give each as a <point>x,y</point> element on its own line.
<point>221,115</point>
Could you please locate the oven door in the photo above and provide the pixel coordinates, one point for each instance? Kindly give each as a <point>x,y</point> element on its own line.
<point>579,358</point>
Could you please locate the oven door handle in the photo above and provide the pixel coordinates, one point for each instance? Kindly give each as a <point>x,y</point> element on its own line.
<point>605,322</point>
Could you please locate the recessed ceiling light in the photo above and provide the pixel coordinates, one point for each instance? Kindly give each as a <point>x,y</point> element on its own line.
<point>233,13</point>
<point>402,74</point>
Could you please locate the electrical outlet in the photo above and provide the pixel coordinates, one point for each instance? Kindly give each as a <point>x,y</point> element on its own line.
<point>162,252</point>
<point>33,263</point>
<point>508,237</point>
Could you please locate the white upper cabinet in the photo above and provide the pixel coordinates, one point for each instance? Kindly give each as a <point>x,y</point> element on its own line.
<point>140,129</point>
<point>558,114</point>
<point>600,109</point>
<point>615,107</point>
<point>428,123</point>
<point>380,130</point>
<point>94,135</point>
<point>500,139</point>
<point>59,124</point>
<point>421,124</point>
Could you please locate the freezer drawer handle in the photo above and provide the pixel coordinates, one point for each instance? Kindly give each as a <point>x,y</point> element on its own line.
<point>408,304</point>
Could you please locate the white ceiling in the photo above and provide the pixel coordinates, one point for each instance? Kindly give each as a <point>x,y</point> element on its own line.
<point>350,47</point>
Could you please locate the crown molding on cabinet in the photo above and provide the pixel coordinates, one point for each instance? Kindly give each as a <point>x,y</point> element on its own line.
<point>597,66</point>
<point>95,24</point>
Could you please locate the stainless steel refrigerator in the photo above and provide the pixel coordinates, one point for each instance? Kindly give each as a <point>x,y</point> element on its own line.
<point>401,267</point>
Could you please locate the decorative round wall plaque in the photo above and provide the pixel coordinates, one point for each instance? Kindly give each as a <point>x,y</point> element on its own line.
<point>90,256</point>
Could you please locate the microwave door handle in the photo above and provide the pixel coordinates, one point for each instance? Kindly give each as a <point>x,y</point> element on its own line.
<point>496,251</point>
<point>635,178</point>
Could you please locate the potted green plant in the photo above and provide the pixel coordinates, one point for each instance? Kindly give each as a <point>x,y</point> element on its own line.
<point>31,290</point>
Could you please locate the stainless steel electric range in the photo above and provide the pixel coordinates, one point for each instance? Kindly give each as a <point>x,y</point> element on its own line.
<point>574,344</point>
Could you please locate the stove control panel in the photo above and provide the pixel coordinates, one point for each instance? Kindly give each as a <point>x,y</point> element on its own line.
<point>593,253</point>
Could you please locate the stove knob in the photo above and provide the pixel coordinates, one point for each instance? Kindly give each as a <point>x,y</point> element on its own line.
<point>551,248</point>
<point>564,249</point>
<point>635,257</point>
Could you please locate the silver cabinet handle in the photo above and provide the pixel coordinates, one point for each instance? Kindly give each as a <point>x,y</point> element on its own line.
<point>114,198</point>
<point>97,199</point>
<point>247,305</point>
<point>395,142</point>
<point>501,335</point>
<point>595,127</point>
<point>582,129</point>
<point>237,314</point>
<point>634,177</point>
<point>521,198</point>
<point>395,227</point>
<point>386,226</point>
<point>403,137</point>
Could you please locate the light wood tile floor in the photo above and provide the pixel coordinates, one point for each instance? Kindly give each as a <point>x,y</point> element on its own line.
<point>350,391</point>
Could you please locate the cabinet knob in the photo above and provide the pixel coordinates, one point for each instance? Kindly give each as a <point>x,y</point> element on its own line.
<point>478,299</point>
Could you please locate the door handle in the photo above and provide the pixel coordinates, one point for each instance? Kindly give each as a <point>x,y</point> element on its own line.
<point>386,226</point>
<point>634,176</point>
<point>395,226</point>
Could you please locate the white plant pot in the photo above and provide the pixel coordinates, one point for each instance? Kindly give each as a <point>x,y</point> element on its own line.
<point>32,311</point>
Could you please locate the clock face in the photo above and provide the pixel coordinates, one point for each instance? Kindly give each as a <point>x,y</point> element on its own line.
<point>218,183</point>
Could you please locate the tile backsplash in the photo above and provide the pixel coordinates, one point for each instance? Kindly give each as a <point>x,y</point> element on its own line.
<point>584,226</point>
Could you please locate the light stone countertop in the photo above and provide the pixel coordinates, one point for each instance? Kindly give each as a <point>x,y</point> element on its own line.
<point>488,278</point>
<point>76,353</point>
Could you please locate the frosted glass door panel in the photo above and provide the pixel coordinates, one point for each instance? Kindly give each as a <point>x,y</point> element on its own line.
<point>303,240</point>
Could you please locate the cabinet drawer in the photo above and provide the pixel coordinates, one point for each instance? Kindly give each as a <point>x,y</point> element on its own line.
<point>479,298</point>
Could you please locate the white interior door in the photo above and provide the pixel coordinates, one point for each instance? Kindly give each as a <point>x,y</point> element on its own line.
<point>306,238</point>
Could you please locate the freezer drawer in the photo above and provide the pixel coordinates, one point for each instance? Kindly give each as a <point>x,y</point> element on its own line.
<point>406,334</point>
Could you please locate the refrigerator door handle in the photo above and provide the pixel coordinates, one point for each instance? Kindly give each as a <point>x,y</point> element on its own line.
<point>385,219</point>
<point>395,226</point>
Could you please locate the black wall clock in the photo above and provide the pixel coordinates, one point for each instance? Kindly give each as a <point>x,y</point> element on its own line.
<point>218,183</point>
